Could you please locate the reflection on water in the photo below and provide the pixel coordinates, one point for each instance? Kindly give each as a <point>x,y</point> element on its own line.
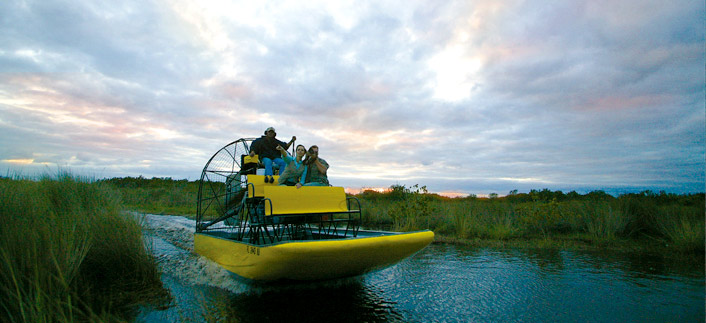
<point>446,283</point>
<point>351,301</point>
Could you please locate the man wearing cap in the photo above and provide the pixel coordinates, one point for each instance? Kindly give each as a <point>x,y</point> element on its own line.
<point>266,148</point>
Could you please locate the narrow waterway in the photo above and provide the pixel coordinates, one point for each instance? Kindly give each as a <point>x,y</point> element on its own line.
<point>442,283</point>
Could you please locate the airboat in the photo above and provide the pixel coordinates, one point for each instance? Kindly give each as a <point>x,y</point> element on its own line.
<point>264,232</point>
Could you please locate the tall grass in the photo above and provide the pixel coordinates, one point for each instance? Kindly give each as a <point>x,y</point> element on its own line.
<point>157,195</point>
<point>669,219</point>
<point>676,221</point>
<point>67,253</point>
<point>682,226</point>
<point>466,220</point>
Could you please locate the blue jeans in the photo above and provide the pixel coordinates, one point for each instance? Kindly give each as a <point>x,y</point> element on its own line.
<point>268,165</point>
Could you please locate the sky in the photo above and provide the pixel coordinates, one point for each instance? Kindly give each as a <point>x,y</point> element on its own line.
<point>463,97</point>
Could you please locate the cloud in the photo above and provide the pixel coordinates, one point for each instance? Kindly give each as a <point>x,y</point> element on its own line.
<point>459,96</point>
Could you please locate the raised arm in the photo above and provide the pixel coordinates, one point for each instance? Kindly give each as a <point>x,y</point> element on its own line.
<point>294,138</point>
<point>285,156</point>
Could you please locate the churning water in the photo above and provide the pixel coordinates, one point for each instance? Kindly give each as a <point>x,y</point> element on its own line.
<point>442,283</point>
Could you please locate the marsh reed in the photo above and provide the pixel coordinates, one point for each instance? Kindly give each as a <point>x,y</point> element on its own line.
<point>68,253</point>
<point>672,220</point>
<point>675,221</point>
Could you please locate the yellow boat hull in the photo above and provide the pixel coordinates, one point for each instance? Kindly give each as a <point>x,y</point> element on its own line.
<point>312,260</point>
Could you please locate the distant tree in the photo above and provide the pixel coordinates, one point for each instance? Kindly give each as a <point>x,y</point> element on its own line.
<point>573,195</point>
<point>598,195</point>
<point>559,196</point>
<point>398,192</point>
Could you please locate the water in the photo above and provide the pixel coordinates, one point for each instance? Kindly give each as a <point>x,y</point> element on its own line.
<point>442,283</point>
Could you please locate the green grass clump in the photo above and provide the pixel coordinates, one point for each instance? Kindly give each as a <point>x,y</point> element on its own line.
<point>67,253</point>
<point>682,226</point>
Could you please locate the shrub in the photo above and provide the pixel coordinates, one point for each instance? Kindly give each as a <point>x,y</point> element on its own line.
<point>411,209</point>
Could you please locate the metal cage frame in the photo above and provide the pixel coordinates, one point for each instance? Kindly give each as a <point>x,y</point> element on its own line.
<point>223,190</point>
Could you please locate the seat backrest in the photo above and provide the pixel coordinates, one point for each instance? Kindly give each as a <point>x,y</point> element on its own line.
<point>249,164</point>
<point>305,200</point>
<point>258,184</point>
<point>246,159</point>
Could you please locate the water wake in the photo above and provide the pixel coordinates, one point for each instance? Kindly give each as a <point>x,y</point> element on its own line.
<point>173,245</point>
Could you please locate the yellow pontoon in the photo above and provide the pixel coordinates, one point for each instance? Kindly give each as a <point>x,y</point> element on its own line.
<point>264,232</point>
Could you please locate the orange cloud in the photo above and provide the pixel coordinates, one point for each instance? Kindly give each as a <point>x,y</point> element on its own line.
<point>354,191</point>
<point>22,161</point>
